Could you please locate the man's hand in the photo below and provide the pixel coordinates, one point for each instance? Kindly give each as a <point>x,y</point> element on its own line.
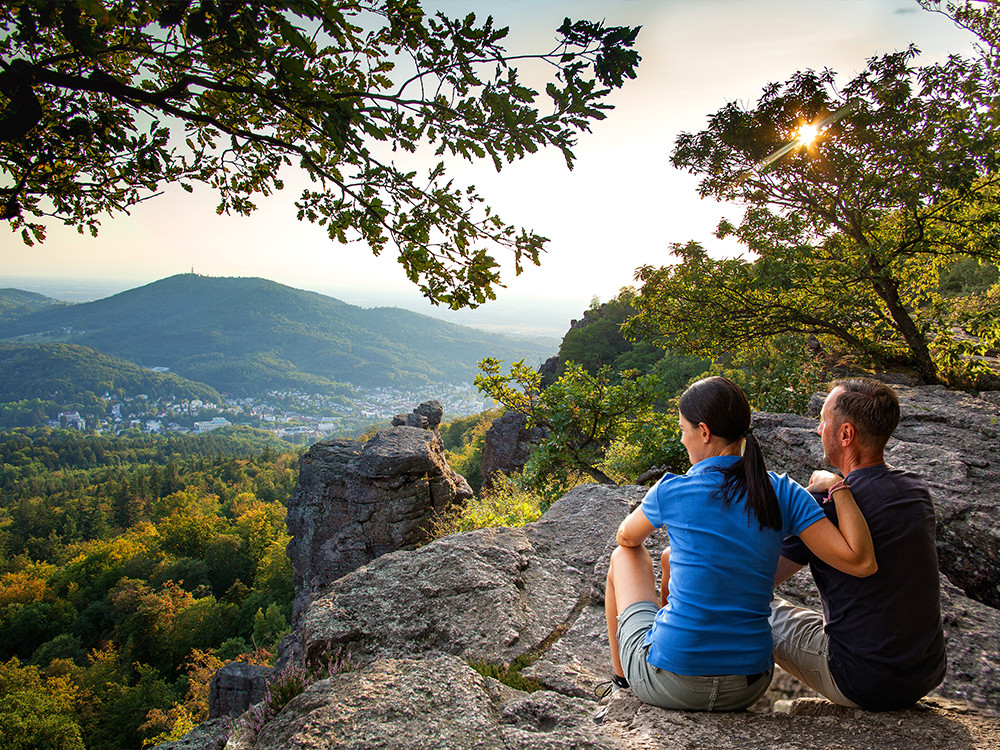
<point>820,481</point>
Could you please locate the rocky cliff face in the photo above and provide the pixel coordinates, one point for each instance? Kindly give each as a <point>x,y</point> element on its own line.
<point>507,445</point>
<point>421,619</point>
<point>357,501</point>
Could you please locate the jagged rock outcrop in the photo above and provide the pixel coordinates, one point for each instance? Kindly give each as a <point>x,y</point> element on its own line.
<point>532,597</point>
<point>950,437</point>
<point>426,416</point>
<point>357,501</point>
<point>507,445</point>
<point>236,687</point>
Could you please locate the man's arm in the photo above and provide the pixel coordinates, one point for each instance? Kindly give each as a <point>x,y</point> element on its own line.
<point>786,569</point>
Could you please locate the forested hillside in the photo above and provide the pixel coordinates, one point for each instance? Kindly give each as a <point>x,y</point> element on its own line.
<point>130,569</point>
<point>75,375</point>
<point>15,303</point>
<point>245,336</point>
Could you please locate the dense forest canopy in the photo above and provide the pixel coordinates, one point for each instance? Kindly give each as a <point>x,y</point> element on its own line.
<point>131,568</point>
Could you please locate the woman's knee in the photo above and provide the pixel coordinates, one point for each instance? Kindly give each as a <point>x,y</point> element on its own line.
<point>629,557</point>
<point>630,576</point>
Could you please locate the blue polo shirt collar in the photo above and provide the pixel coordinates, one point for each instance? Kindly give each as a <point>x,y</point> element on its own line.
<point>712,462</point>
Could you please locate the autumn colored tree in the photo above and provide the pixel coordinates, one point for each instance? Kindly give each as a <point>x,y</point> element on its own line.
<point>104,102</point>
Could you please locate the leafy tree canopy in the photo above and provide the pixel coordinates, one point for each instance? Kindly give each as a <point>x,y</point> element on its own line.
<point>106,101</point>
<point>850,230</point>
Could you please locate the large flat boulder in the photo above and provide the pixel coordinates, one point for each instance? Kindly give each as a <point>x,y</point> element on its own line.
<point>440,702</point>
<point>493,594</point>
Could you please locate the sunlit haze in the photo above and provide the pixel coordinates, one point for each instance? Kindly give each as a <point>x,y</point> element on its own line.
<point>619,209</point>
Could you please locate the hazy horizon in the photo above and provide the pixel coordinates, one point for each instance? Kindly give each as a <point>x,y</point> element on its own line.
<point>542,319</point>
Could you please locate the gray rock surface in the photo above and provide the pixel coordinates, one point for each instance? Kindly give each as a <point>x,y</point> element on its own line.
<point>209,735</point>
<point>356,501</point>
<point>507,445</point>
<point>427,416</point>
<point>493,594</point>
<point>236,687</point>
<point>440,702</point>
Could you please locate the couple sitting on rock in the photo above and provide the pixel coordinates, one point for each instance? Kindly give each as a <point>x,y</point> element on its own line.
<point>707,641</point>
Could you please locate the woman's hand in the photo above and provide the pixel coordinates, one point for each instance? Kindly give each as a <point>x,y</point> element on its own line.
<point>848,548</point>
<point>821,481</point>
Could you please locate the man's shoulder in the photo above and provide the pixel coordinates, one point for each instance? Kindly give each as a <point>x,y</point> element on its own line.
<point>878,477</point>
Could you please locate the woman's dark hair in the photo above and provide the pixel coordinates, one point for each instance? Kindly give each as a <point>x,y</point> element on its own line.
<point>723,407</point>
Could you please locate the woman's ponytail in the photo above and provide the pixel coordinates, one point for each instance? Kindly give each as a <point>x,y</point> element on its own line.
<point>761,499</point>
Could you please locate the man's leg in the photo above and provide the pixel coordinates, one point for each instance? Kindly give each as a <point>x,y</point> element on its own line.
<point>630,580</point>
<point>802,648</point>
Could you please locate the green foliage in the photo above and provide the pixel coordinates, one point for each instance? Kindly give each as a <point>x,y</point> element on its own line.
<point>119,610</point>
<point>509,674</point>
<point>597,340</point>
<point>968,276</point>
<point>269,627</point>
<point>15,303</point>
<point>463,441</point>
<point>779,375</point>
<point>654,441</point>
<point>105,103</point>
<point>243,336</point>
<point>505,503</point>
<point>36,713</point>
<point>583,414</point>
<point>850,232</point>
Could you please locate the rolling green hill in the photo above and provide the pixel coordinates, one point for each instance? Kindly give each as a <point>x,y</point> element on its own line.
<point>73,374</point>
<point>15,303</point>
<point>245,335</point>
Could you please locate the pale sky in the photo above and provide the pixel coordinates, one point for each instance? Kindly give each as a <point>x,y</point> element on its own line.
<point>619,209</point>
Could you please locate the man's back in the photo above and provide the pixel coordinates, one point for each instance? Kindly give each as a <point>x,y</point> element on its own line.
<point>886,640</point>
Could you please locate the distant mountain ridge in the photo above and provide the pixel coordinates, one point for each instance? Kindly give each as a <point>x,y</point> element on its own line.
<point>245,335</point>
<point>16,303</point>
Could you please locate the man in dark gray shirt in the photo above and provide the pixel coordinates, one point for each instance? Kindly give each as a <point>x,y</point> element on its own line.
<point>879,643</point>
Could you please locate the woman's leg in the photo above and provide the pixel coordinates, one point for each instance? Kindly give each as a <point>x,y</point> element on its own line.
<point>664,576</point>
<point>630,580</point>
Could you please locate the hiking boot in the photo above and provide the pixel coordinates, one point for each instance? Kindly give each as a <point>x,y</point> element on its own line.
<point>604,691</point>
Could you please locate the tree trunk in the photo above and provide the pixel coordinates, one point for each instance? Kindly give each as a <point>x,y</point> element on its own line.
<point>888,289</point>
<point>597,475</point>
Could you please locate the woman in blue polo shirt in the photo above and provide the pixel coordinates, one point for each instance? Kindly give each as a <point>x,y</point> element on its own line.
<point>708,647</point>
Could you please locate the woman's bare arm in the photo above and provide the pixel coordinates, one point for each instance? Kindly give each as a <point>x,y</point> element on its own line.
<point>848,549</point>
<point>634,530</point>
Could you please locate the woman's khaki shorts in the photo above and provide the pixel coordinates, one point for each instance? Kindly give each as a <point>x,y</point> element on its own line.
<point>677,691</point>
